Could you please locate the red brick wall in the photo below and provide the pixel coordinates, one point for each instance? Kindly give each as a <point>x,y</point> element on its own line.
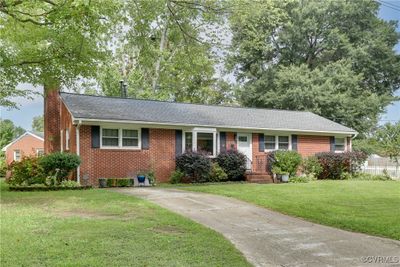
<point>108,163</point>
<point>308,145</point>
<point>27,146</point>
<point>51,120</point>
<point>66,123</point>
<point>231,141</point>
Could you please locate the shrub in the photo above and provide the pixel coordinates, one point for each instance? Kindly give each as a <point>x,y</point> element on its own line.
<point>301,179</point>
<point>369,177</point>
<point>60,164</point>
<point>285,161</point>
<point>334,165</point>
<point>233,163</point>
<point>27,172</point>
<point>176,177</point>
<point>196,166</point>
<point>311,166</point>
<point>217,173</point>
<point>110,182</point>
<point>69,184</point>
<point>122,182</point>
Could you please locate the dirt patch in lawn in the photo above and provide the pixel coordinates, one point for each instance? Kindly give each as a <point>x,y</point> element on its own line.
<point>85,214</point>
<point>168,229</point>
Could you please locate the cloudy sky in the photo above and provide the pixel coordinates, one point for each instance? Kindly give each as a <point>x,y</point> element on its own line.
<point>390,10</point>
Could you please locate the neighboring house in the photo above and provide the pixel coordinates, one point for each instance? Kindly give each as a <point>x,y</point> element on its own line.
<point>28,144</point>
<point>117,137</point>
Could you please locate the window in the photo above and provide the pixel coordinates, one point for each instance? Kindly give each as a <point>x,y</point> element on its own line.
<point>39,152</point>
<point>269,142</point>
<point>242,138</point>
<point>339,144</point>
<point>205,143</point>
<point>110,137</point>
<point>130,138</point>
<point>66,139</point>
<point>201,140</point>
<point>120,138</point>
<point>188,141</point>
<point>283,142</point>
<point>61,141</point>
<point>17,155</point>
<point>275,142</point>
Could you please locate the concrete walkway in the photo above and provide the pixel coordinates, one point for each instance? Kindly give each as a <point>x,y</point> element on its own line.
<point>268,238</point>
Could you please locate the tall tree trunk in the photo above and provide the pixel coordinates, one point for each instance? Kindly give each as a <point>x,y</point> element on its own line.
<point>164,35</point>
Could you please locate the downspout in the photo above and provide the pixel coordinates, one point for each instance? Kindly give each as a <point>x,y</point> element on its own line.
<point>78,171</point>
<point>351,143</point>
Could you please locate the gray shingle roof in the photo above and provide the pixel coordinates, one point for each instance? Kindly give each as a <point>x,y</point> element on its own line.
<point>127,109</point>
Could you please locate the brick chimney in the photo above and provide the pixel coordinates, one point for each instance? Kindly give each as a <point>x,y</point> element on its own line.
<point>52,109</point>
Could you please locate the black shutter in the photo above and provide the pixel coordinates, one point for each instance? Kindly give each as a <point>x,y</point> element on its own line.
<point>294,142</point>
<point>95,136</point>
<point>145,139</point>
<point>222,141</point>
<point>261,144</point>
<point>332,141</point>
<point>178,142</point>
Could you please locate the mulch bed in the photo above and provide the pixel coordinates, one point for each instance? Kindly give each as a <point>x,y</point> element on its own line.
<point>47,188</point>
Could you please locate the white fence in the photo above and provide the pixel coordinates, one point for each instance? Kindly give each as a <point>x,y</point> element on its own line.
<point>380,166</point>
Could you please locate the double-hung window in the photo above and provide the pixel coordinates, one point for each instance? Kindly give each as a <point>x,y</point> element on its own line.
<point>275,142</point>
<point>17,155</point>
<point>205,143</point>
<point>340,144</point>
<point>120,138</point>
<point>110,137</point>
<point>130,138</point>
<point>67,139</point>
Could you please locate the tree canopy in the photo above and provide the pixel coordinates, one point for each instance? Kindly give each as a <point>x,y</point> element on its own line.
<point>8,132</point>
<point>51,43</point>
<point>334,58</point>
<point>38,124</point>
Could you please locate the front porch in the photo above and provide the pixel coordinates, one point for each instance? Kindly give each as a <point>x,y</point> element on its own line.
<point>257,170</point>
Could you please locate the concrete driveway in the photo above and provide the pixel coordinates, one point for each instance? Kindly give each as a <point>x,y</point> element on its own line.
<point>268,238</point>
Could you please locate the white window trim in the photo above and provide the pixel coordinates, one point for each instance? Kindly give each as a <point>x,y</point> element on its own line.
<point>15,154</point>
<point>37,151</point>
<point>67,139</point>
<point>138,147</point>
<point>277,141</point>
<point>345,145</point>
<point>194,139</point>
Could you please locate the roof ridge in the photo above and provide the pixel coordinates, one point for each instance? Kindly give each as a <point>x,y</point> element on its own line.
<point>187,103</point>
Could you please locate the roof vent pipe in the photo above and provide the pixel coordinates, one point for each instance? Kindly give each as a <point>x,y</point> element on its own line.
<point>123,87</point>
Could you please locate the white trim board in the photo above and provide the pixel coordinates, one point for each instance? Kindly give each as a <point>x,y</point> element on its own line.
<point>19,138</point>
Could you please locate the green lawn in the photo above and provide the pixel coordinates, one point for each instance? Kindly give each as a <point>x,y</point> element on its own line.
<point>102,228</point>
<point>371,207</point>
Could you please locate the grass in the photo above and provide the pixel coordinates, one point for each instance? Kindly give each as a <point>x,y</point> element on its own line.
<point>371,207</point>
<point>103,228</point>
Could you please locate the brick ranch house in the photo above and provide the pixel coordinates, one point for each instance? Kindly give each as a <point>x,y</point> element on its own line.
<point>117,137</point>
<point>27,144</point>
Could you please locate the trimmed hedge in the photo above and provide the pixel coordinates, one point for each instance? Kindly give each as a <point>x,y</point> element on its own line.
<point>47,188</point>
<point>287,161</point>
<point>60,164</point>
<point>117,182</point>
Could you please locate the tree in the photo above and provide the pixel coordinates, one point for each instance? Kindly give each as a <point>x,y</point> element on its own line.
<point>51,43</point>
<point>164,51</point>
<point>388,139</point>
<point>38,124</point>
<point>8,132</point>
<point>334,58</point>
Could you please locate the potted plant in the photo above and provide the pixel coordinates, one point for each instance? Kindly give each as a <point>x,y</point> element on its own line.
<point>141,176</point>
<point>284,175</point>
<point>102,182</point>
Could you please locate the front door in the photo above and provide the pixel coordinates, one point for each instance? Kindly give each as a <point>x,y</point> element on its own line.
<point>244,146</point>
